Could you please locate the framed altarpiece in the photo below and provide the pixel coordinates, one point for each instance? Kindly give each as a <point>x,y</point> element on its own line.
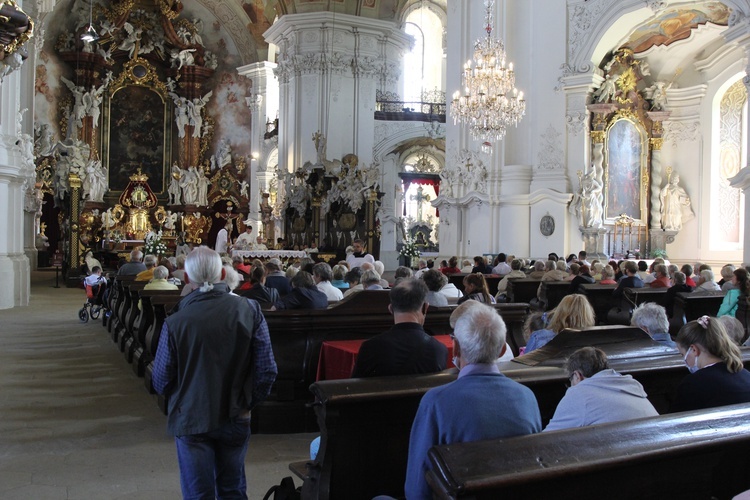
<point>137,128</point>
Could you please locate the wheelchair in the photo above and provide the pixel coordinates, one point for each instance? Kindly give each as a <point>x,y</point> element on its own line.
<point>94,304</point>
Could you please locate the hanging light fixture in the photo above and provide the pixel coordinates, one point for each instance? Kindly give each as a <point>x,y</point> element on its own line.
<point>490,102</point>
<point>89,34</point>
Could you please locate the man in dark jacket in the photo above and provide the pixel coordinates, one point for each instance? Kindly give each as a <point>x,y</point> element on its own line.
<point>215,363</point>
<point>406,348</point>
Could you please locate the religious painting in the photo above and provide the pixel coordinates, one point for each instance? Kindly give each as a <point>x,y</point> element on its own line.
<point>137,137</point>
<point>626,163</point>
<point>676,24</point>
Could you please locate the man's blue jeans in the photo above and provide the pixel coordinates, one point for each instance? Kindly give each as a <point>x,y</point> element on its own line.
<point>212,465</point>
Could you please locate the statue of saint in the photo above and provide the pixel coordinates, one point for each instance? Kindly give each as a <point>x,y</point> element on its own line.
<point>588,202</point>
<point>94,181</point>
<point>675,205</point>
<point>175,195</point>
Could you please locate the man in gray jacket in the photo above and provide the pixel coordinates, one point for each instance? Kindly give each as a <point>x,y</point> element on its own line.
<point>598,394</point>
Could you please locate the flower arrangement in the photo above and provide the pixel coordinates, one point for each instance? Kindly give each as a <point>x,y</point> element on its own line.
<point>409,249</point>
<point>154,245</point>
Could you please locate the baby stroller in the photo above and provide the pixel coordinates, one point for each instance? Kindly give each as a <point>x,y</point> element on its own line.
<point>94,301</point>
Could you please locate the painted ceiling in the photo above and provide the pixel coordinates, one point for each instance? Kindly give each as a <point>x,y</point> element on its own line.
<point>676,24</point>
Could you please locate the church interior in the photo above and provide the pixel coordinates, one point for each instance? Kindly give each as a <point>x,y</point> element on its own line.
<point>621,130</point>
<point>319,122</point>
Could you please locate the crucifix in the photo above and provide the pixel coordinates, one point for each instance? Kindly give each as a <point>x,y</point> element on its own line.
<point>420,198</point>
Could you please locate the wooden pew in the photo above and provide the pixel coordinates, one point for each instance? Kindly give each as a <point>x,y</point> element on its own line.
<point>297,336</point>
<point>601,300</point>
<point>691,306</point>
<point>638,296</point>
<point>117,322</point>
<point>491,279</point>
<point>697,454</point>
<point>161,305</point>
<point>132,316</point>
<point>554,291</point>
<point>139,357</point>
<point>365,423</point>
<point>522,289</point>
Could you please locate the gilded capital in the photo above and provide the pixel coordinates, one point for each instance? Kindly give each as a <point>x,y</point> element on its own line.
<point>597,136</point>
<point>75,181</point>
<point>656,143</point>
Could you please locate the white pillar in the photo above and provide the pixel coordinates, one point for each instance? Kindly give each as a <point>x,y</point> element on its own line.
<point>264,106</point>
<point>329,67</point>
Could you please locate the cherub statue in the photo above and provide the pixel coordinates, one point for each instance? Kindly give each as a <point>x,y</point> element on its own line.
<point>606,91</point>
<point>657,93</point>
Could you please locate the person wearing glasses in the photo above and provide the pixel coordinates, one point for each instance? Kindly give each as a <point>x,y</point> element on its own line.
<point>598,394</point>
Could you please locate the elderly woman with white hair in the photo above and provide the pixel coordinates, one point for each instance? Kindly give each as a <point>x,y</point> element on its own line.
<point>499,407</point>
<point>706,282</point>
<point>159,281</point>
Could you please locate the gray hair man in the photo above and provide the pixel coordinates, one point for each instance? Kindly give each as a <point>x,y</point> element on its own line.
<point>134,266</point>
<point>150,261</point>
<point>481,404</point>
<point>215,363</point>
<point>323,274</point>
<point>598,394</point>
<point>652,319</point>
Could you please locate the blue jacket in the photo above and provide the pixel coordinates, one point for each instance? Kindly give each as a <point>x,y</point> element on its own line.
<point>481,404</point>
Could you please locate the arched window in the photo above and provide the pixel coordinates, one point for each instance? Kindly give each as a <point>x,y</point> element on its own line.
<point>423,66</point>
<point>727,202</point>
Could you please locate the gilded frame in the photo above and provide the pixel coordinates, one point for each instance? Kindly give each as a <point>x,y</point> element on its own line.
<point>138,75</point>
<point>626,175</point>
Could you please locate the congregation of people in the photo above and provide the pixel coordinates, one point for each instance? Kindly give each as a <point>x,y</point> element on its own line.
<point>500,407</point>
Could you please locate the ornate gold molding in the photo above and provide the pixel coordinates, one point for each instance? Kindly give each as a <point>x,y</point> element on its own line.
<point>656,143</point>
<point>597,136</point>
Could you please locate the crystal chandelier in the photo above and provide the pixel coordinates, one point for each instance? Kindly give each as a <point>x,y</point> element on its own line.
<point>490,102</point>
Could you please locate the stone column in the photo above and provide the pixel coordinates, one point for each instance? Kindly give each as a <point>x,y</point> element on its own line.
<point>264,106</point>
<point>655,143</point>
<point>329,67</point>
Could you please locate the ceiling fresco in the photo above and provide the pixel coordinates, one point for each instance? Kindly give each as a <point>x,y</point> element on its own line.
<point>676,24</point>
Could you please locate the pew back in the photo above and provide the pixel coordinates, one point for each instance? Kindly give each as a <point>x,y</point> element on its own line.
<point>365,423</point>
<point>699,454</point>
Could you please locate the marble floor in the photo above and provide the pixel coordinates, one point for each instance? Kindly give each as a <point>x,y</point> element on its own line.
<point>76,423</point>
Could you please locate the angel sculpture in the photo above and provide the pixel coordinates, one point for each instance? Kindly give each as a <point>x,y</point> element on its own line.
<point>79,110</point>
<point>657,93</point>
<point>198,24</point>
<point>182,58</point>
<point>130,41</point>
<point>181,116</point>
<point>607,91</point>
<point>170,219</point>
<point>243,188</point>
<point>195,107</point>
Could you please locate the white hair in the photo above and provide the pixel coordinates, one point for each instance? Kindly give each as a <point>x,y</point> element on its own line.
<point>161,273</point>
<point>651,317</point>
<point>150,260</point>
<point>203,265</point>
<point>480,333</point>
<point>379,267</point>
<point>231,277</point>
<point>707,275</point>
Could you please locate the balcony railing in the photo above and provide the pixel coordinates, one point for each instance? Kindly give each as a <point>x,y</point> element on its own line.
<point>432,107</point>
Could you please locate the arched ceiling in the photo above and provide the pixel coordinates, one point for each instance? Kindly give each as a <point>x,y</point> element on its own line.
<point>673,39</point>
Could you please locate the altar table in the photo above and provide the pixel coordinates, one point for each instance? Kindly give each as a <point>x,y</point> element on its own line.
<point>337,357</point>
<point>268,254</point>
